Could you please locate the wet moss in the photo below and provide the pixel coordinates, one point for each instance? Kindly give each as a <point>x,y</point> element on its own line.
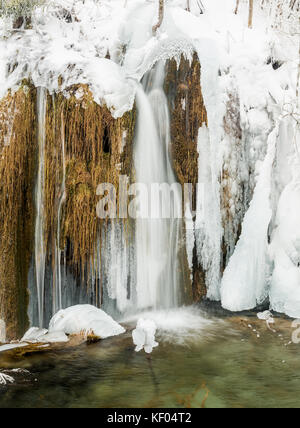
<point>17,171</point>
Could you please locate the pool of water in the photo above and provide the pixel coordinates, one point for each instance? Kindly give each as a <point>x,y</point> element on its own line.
<point>200,362</point>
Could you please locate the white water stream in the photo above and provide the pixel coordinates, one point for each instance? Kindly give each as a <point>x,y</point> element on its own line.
<point>157,239</point>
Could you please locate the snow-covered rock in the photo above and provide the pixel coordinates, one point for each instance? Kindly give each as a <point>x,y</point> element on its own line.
<point>144,335</point>
<point>85,319</point>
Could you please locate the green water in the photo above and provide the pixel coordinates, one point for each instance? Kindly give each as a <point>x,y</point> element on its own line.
<point>224,364</point>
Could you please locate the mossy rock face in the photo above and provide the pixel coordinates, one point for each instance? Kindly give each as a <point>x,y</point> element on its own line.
<point>188,114</point>
<point>97,149</point>
<point>17,172</point>
<point>234,201</point>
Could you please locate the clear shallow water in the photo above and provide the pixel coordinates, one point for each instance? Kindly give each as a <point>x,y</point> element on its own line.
<point>222,364</point>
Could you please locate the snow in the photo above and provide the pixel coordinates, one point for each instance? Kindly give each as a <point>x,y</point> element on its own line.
<point>2,331</point>
<point>285,252</point>
<point>144,335</point>
<point>84,319</point>
<point>181,325</point>
<point>245,278</point>
<point>11,346</point>
<point>208,230</point>
<point>266,316</point>
<point>5,379</point>
<point>33,334</point>
<point>80,319</point>
<point>109,47</point>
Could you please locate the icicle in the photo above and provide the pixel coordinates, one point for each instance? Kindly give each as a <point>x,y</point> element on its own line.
<point>244,283</point>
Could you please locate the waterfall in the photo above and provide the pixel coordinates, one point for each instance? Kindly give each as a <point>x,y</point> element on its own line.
<point>57,286</point>
<point>157,239</point>
<point>40,253</point>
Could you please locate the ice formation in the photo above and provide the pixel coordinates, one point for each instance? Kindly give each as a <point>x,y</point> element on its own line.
<point>249,150</point>
<point>85,319</point>
<point>244,283</point>
<point>285,253</point>
<point>5,379</point>
<point>11,346</point>
<point>266,316</point>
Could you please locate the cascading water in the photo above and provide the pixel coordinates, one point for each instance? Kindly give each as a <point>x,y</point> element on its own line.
<point>40,253</point>
<point>57,286</point>
<point>157,239</point>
